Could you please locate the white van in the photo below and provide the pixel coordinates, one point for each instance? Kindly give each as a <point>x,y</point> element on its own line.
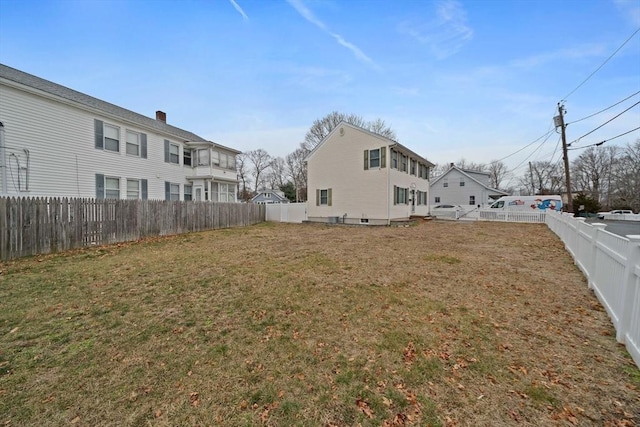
<point>528,203</point>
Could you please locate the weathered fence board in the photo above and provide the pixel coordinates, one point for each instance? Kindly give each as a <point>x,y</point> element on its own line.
<point>31,226</point>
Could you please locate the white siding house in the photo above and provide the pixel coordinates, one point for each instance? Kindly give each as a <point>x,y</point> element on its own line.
<point>269,197</point>
<point>358,177</point>
<point>463,187</point>
<point>62,143</point>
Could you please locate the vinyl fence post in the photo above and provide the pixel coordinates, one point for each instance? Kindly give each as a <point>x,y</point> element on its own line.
<point>591,266</point>
<point>631,291</point>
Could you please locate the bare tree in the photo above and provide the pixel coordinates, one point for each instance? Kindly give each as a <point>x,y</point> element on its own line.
<point>297,170</point>
<point>498,172</point>
<point>242,168</point>
<point>592,172</point>
<point>625,192</point>
<point>470,166</point>
<point>277,174</point>
<point>260,161</point>
<point>323,127</point>
<point>543,178</point>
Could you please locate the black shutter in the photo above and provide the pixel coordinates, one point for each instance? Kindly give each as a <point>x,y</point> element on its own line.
<point>166,151</point>
<point>143,145</point>
<point>366,159</point>
<point>383,157</point>
<point>395,195</point>
<point>329,197</point>
<point>99,134</point>
<point>144,188</point>
<point>167,190</point>
<point>317,197</point>
<point>99,186</point>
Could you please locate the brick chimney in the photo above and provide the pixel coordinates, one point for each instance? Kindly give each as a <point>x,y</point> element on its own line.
<point>162,116</point>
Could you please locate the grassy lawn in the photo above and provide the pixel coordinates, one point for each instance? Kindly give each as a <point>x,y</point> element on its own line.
<point>442,324</point>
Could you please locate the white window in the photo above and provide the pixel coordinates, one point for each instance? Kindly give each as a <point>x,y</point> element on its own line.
<point>174,153</point>
<point>174,192</point>
<point>226,192</point>
<point>186,157</point>
<point>374,158</point>
<point>324,197</point>
<point>111,138</point>
<point>133,143</point>
<point>111,188</point>
<point>404,163</point>
<point>445,182</point>
<point>394,159</point>
<point>203,157</point>
<point>413,167</point>
<point>437,199</point>
<point>400,195</point>
<point>461,181</point>
<point>215,158</point>
<point>472,200</point>
<point>133,189</point>
<point>231,161</point>
<point>223,160</point>
<point>188,192</point>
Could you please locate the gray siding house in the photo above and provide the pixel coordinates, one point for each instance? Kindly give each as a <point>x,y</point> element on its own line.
<point>466,188</point>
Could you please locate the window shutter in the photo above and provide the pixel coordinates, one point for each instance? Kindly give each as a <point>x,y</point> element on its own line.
<point>318,197</point>
<point>99,186</point>
<point>167,190</point>
<point>99,134</point>
<point>395,195</point>
<point>366,159</point>
<point>329,197</point>
<point>383,157</point>
<point>143,145</point>
<point>166,151</point>
<point>144,189</point>
<point>406,196</point>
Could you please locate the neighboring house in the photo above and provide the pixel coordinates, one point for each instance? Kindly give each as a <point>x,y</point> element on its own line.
<point>467,188</point>
<point>358,177</point>
<point>63,143</point>
<point>267,197</point>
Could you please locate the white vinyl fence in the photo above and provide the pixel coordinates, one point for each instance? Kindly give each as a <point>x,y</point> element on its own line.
<point>287,212</point>
<point>492,215</point>
<point>611,265</point>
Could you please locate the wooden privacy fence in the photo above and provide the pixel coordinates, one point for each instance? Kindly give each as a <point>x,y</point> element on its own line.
<point>31,226</point>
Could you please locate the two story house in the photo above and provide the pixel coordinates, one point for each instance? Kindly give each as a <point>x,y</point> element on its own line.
<point>58,142</point>
<point>467,188</point>
<point>359,177</point>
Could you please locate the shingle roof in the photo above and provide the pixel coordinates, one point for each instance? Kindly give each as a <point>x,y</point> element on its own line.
<point>55,89</point>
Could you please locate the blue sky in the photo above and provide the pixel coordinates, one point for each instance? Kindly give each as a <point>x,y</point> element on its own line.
<point>455,79</point>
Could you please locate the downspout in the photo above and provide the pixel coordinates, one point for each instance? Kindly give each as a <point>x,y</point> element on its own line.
<point>3,161</point>
<point>388,189</point>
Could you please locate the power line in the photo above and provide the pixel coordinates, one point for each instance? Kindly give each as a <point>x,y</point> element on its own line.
<point>606,140</point>
<point>608,121</point>
<point>602,111</point>
<point>550,131</point>
<point>601,65</point>
<point>533,152</point>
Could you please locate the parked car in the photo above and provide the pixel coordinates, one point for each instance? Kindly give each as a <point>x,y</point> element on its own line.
<point>601,215</point>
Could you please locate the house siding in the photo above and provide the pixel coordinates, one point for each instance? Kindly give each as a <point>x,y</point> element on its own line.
<point>454,194</point>
<point>63,158</point>
<point>357,192</point>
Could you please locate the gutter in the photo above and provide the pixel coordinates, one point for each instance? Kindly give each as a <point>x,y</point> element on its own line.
<point>3,161</point>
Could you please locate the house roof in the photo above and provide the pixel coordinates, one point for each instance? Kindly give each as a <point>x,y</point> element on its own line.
<point>88,102</point>
<point>390,142</point>
<point>279,194</point>
<point>467,173</point>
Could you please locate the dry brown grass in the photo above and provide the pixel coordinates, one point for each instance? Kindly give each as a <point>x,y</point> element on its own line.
<point>477,324</point>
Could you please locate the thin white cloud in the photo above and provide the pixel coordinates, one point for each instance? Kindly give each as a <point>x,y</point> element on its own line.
<point>446,34</point>
<point>630,9</point>
<point>237,7</point>
<point>583,51</point>
<point>300,7</point>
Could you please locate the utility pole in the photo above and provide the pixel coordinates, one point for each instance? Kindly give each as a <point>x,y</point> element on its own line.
<point>559,121</point>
